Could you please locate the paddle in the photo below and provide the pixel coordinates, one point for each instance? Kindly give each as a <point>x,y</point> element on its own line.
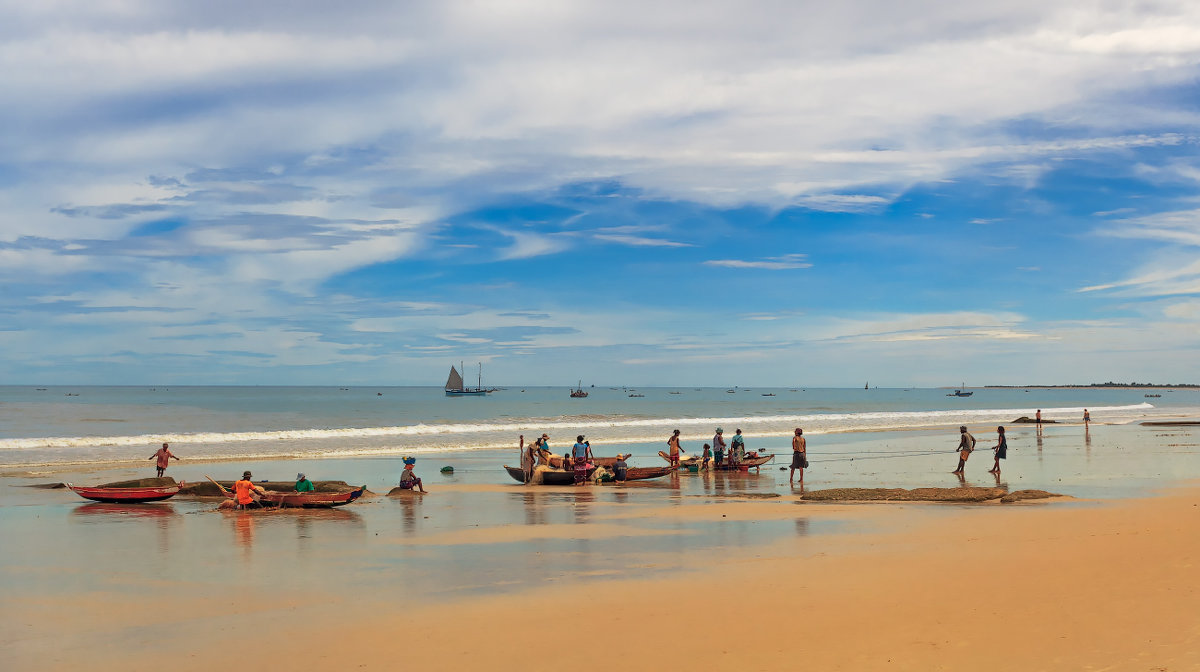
<point>223,490</point>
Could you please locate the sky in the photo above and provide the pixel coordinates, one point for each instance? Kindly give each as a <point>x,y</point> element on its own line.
<point>762,193</point>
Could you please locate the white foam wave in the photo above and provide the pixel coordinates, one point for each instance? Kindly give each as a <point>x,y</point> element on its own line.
<point>614,429</point>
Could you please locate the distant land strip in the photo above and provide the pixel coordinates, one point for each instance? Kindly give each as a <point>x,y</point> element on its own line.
<point>1118,386</point>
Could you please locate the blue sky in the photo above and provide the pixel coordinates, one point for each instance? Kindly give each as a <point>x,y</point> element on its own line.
<point>679,193</point>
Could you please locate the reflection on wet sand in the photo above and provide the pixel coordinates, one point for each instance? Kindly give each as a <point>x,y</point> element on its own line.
<point>243,531</point>
<point>163,515</point>
<point>410,508</point>
<point>106,511</point>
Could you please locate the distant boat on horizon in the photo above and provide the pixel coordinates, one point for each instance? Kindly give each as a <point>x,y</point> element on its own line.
<point>455,387</point>
<point>961,392</point>
<point>578,392</point>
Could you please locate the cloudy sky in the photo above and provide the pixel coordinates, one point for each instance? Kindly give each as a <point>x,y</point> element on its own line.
<point>681,193</point>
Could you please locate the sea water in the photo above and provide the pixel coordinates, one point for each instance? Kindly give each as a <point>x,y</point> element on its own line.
<point>59,426</point>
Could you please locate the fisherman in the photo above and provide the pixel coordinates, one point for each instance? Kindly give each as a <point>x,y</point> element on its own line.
<point>164,456</point>
<point>620,469</point>
<point>408,478</point>
<point>966,444</point>
<point>581,452</point>
<point>737,447</point>
<point>673,442</point>
<point>799,456</point>
<point>246,492</point>
<point>719,447</point>
<point>303,484</point>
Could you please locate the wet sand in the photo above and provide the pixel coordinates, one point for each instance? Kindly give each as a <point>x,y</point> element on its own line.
<point>918,587</point>
<point>694,572</point>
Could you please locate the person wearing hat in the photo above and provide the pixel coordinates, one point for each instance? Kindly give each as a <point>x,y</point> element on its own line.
<point>799,456</point>
<point>303,484</point>
<point>719,447</point>
<point>246,492</point>
<point>408,478</point>
<point>966,444</point>
<point>737,447</point>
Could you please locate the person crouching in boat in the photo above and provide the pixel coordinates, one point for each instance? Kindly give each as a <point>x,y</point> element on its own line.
<point>303,484</point>
<point>408,478</point>
<point>581,452</point>
<point>620,469</point>
<point>246,492</point>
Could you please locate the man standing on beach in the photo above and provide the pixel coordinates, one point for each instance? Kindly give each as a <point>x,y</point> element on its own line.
<point>737,447</point>
<point>673,444</point>
<point>799,456</point>
<point>966,444</point>
<point>1087,418</point>
<point>164,456</point>
<point>1038,419</point>
<point>719,446</point>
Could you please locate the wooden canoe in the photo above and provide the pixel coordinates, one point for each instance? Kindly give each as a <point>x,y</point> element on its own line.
<point>748,462</point>
<point>568,477</point>
<point>310,500</point>
<point>126,495</point>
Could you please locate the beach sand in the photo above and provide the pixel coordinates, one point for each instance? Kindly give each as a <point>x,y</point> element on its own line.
<point>1051,585</point>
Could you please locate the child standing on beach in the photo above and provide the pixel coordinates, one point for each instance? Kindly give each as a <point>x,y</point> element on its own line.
<point>707,455</point>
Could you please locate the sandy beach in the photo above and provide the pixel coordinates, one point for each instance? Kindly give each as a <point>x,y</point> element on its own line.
<point>700,571</point>
<point>1039,586</point>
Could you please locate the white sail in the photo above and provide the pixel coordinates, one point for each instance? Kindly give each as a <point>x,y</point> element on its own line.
<point>455,381</point>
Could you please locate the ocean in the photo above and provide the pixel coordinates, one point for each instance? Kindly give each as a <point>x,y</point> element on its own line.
<point>82,425</point>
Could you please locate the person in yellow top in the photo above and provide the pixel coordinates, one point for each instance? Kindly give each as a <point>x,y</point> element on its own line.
<point>245,492</point>
<point>673,443</point>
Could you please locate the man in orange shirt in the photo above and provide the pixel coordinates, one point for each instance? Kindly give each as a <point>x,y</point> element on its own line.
<point>245,491</point>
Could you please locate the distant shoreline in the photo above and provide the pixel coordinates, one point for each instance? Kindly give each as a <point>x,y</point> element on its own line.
<point>1098,386</point>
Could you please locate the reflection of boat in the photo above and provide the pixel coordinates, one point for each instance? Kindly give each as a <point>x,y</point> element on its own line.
<point>554,477</point>
<point>130,492</point>
<point>112,508</point>
<point>310,500</point>
<point>578,392</point>
<point>961,392</point>
<point>455,388</point>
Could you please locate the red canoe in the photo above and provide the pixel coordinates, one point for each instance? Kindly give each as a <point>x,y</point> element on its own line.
<point>133,495</point>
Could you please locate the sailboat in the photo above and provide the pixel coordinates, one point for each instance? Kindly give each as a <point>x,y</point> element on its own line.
<point>455,388</point>
<point>578,392</point>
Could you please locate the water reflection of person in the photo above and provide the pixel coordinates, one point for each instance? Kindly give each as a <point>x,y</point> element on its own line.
<point>409,507</point>
<point>243,530</point>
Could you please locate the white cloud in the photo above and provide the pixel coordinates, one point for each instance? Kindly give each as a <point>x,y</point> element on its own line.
<point>783,263</point>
